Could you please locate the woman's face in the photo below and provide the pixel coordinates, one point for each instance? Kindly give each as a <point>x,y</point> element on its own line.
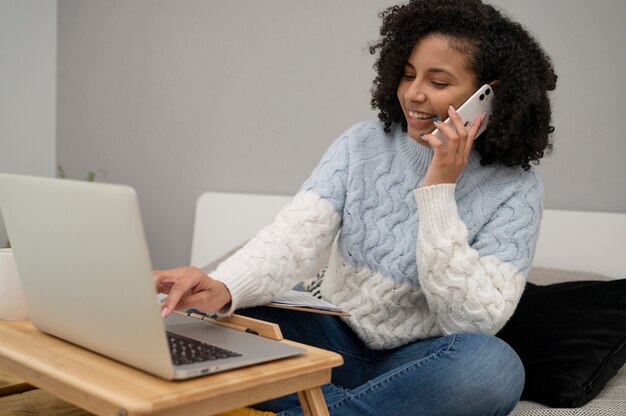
<point>435,77</point>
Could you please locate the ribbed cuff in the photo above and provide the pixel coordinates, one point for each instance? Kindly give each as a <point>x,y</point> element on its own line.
<point>240,284</point>
<point>437,207</point>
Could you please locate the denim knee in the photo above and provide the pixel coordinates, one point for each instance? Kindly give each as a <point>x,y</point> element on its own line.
<point>494,375</point>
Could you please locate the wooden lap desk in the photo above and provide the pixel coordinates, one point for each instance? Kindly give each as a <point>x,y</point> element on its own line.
<point>104,386</point>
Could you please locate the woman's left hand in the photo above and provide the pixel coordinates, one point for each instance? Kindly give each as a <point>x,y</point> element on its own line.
<point>448,163</point>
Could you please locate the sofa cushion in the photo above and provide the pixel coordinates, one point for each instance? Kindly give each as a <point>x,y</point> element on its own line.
<point>571,338</point>
<point>547,276</point>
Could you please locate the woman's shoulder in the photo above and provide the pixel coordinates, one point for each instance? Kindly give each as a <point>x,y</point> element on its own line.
<point>368,128</point>
<point>505,181</point>
<point>499,173</point>
<point>370,136</point>
<point>524,179</point>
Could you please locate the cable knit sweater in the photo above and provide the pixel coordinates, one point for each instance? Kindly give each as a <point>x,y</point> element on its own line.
<point>408,262</point>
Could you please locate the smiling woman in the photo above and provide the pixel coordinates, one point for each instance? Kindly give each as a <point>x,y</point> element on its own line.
<point>427,247</point>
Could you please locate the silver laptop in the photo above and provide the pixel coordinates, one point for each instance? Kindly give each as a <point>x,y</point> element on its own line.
<point>83,261</point>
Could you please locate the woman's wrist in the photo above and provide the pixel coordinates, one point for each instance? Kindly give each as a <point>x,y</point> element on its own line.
<point>438,181</point>
<point>224,296</point>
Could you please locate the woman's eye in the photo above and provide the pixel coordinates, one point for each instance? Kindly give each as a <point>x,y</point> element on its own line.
<point>408,76</point>
<point>439,84</point>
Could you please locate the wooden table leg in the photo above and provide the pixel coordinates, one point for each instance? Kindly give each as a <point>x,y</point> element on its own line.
<point>313,403</point>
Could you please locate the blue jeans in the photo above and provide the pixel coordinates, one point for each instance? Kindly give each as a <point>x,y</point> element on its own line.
<point>461,374</point>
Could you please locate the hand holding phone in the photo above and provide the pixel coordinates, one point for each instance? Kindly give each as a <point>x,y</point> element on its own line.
<point>479,102</point>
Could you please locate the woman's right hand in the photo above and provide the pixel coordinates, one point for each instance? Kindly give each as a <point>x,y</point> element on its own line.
<point>448,162</point>
<point>190,287</point>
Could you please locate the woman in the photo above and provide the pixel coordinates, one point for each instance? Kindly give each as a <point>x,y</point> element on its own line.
<point>427,246</point>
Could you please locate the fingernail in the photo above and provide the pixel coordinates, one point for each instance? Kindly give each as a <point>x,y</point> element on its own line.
<point>436,119</point>
<point>422,135</point>
<point>164,312</point>
<point>451,109</point>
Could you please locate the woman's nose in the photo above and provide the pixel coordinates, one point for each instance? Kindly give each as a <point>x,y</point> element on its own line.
<point>415,93</point>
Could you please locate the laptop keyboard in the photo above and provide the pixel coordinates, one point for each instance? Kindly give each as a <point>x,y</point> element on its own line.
<point>188,351</point>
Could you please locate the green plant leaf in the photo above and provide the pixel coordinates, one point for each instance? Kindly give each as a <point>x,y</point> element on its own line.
<point>61,172</point>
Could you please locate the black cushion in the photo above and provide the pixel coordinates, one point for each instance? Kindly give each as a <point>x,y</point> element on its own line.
<point>571,338</point>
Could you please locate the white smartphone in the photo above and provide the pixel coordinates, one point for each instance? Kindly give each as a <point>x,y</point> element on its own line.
<point>479,102</point>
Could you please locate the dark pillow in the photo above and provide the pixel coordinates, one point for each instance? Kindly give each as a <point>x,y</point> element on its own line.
<point>571,338</point>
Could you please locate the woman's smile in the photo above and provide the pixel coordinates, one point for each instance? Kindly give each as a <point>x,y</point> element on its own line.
<point>420,119</point>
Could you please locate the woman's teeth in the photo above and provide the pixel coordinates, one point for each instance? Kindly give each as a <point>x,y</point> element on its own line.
<point>420,116</point>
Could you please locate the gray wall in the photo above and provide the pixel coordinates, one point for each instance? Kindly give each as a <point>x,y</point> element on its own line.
<point>178,98</point>
<point>28,51</point>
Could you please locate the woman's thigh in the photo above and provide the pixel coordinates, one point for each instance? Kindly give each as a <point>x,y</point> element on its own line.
<point>324,331</point>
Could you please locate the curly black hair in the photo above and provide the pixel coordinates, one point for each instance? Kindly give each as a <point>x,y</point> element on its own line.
<point>496,49</point>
